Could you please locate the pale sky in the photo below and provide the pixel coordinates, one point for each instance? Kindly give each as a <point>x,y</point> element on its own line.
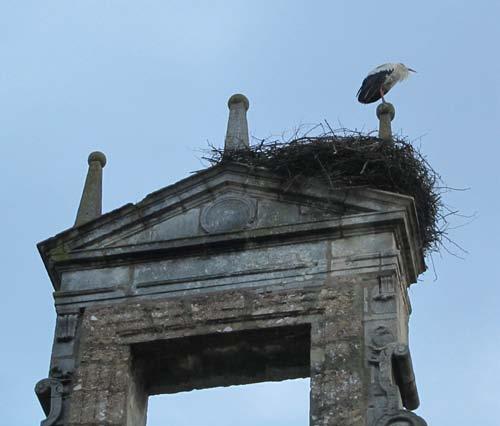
<point>147,82</point>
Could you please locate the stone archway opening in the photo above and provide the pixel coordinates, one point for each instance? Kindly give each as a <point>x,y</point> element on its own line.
<point>277,359</point>
<point>277,403</point>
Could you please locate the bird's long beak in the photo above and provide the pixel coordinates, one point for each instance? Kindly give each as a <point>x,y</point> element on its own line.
<point>409,69</point>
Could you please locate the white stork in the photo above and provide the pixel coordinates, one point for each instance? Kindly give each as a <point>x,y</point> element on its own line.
<point>380,80</point>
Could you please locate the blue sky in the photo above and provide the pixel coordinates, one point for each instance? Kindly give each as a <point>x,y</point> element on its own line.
<point>147,83</point>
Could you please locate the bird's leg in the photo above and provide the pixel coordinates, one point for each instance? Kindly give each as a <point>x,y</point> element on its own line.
<point>382,95</point>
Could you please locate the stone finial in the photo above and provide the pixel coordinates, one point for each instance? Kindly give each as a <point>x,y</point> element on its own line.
<point>91,202</point>
<point>385,114</point>
<point>237,126</point>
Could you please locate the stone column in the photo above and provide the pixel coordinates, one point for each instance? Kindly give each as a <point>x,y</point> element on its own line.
<point>91,202</point>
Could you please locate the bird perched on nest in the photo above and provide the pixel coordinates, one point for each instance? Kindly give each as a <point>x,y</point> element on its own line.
<point>380,80</point>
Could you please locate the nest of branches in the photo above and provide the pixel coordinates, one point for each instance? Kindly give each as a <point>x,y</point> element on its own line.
<point>352,159</point>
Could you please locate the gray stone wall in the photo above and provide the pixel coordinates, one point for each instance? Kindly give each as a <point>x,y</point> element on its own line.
<point>108,388</point>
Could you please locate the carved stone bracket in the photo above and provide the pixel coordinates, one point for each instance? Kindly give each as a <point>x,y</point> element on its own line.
<point>383,393</point>
<point>384,296</point>
<point>393,382</point>
<point>50,394</point>
<point>66,327</point>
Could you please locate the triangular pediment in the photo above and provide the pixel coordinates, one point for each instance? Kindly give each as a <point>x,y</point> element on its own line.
<point>223,200</point>
<point>228,209</point>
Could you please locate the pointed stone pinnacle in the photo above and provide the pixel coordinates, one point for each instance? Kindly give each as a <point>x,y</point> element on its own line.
<point>91,202</point>
<point>237,126</point>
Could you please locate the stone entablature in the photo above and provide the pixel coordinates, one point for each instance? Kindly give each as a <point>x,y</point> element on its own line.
<point>177,219</point>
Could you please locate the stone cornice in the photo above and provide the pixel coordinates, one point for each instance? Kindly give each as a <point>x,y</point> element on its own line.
<point>89,245</point>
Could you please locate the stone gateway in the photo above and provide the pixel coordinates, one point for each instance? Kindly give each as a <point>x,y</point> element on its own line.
<point>227,278</point>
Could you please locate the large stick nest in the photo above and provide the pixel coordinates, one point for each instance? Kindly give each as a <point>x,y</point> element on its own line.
<point>352,159</point>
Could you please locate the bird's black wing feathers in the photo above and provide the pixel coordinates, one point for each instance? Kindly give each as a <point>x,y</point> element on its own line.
<point>370,88</point>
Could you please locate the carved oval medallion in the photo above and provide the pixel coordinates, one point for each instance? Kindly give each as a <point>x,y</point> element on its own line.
<point>228,214</point>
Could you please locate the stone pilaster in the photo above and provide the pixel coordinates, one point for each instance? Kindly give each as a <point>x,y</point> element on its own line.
<point>337,371</point>
<point>106,390</point>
